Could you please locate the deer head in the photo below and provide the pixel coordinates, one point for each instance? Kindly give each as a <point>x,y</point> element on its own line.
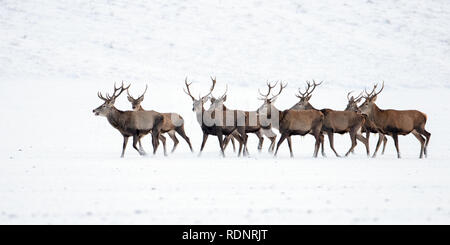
<point>108,104</point>
<point>304,104</point>
<point>197,104</point>
<point>367,106</point>
<point>353,102</point>
<point>136,103</point>
<point>266,107</point>
<point>217,103</point>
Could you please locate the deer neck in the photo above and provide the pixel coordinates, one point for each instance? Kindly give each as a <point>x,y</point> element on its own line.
<point>375,113</point>
<point>199,115</point>
<point>140,108</point>
<point>115,117</point>
<point>309,107</point>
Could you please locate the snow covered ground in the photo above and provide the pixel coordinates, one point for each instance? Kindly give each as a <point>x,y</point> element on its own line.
<point>59,164</point>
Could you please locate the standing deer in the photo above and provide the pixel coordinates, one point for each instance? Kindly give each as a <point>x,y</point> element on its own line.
<point>369,126</point>
<point>130,123</point>
<point>396,122</point>
<point>213,123</point>
<point>172,123</point>
<point>252,123</point>
<point>290,122</point>
<point>340,122</point>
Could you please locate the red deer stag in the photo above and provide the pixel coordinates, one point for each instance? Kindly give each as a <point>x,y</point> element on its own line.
<point>396,122</point>
<point>369,126</point>
<point>340,122</point>
<point>252,123</point>
<point>172,123</point>
<point>213,123</point>
<point>290,122</point>
<point>130,123</point>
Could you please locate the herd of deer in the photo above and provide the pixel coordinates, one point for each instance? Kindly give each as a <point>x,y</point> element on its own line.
<point>301,119</point>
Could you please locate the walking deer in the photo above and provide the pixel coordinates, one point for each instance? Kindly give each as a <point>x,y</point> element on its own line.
<point>340,122</point>
<point>290,122</point>
<point>369,126</point>
<point>251,123</point>
<point>213,123</point>
<point>396,122</point>
<point>172,123</point>
<point>130,123</point>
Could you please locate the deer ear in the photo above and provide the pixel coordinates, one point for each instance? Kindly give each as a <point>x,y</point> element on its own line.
<point>141,98</point>
<point>225,98</point>
<point>130,99</point>
<point>358,100</point>
<point>374,98</point>
<point>308,98</point>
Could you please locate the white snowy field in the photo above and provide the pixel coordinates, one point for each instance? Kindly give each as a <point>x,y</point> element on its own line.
<point>60,164</point>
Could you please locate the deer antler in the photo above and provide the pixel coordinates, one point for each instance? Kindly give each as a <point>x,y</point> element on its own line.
<point>264,96</point>
<point>212,87</point>
<point>370,94</point>
<point>348,98</point>
<point>377,93</point>
<point>101,96</point>
<point>188,90</point>
<point>114,96</point>
<point>129,95</point>
<point>307,91</point>
<point>282,86</point>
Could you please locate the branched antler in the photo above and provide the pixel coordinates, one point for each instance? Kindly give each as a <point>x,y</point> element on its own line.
<point>307,92</point>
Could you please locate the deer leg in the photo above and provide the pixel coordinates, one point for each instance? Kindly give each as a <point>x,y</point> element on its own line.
<point>290,145</point>
<point>205,137</point>
<point>226,141</point>
<point>384,144</point>
<point>174,139</point>
<point>180,131</point>
<point>135,141</point>
<point>234,144</point>
<point>244,137</point>
<point>322,142</point>
<point>331,139</point>
<point>427,136</point>
<point>395,137</point>
<point>422,142</point>
<point>261,140</point>
<point>124,146</point>
<point>220,138</point>
<point>140,144</point>
<point>163,140</point>
<point>353,139</point>
<point>365,141</point>
<point>381,137</point>
<point>282,138</point>
<point>272,144</point>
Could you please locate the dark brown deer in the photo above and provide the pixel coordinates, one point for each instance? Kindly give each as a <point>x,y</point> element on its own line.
<point>130,123</point>
<point>369,126</point>
<point>252,124</point>
<point>396,122</point>
<point>172,123</point>
<point>213,123</point>
<point>340,122</point>
<point>290,122</point>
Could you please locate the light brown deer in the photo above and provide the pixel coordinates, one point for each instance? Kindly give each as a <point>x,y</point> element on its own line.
<point>340,122</point>
<point>290,122</point>
<point>396,122</point>
<point>252,123</point>
<point>369,126</point>
<point>172,123</point>
<point>130,123</point>
<point>213,123</point>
